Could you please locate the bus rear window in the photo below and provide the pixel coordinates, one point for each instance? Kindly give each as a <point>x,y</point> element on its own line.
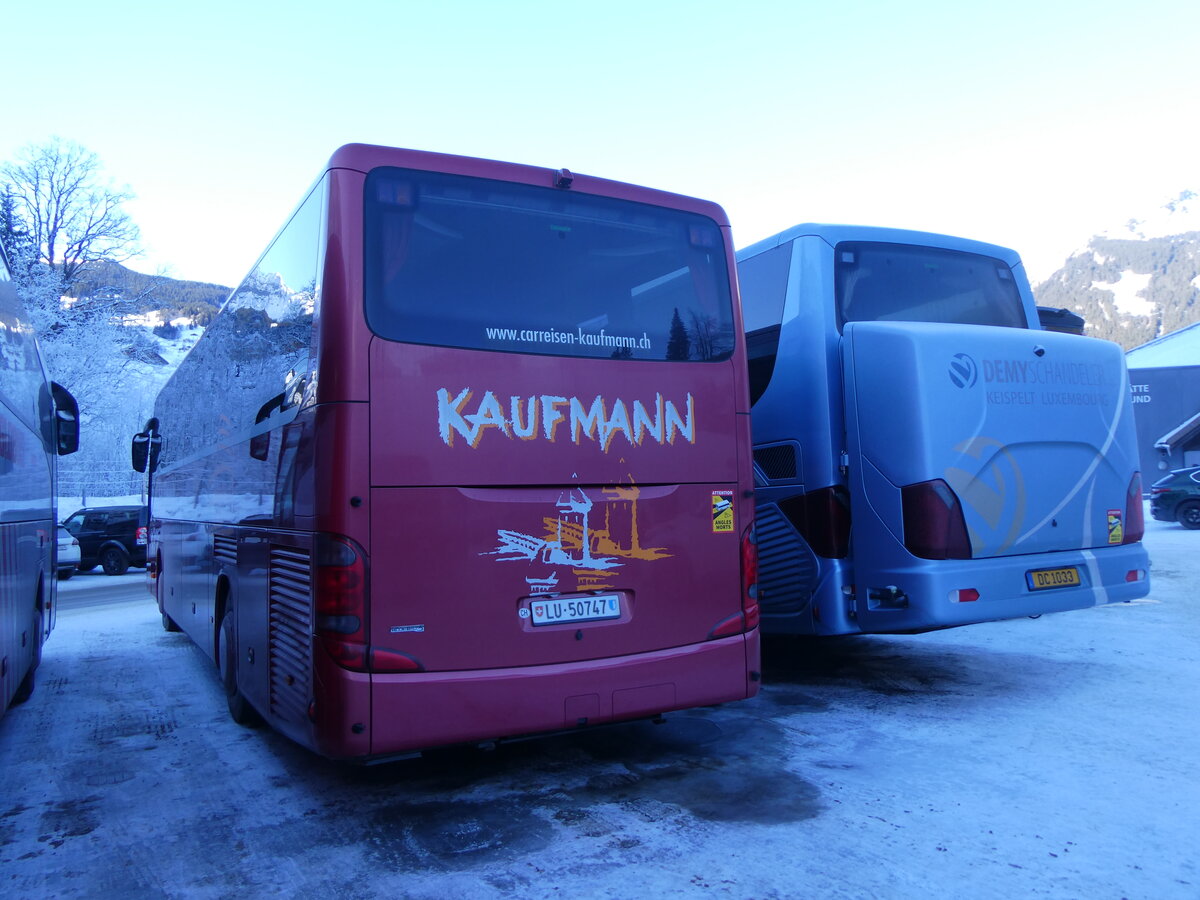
<point>879,282</point>
<point>490,265</point>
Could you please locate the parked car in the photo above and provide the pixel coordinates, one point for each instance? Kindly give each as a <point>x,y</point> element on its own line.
<point>113,537</point>
<point>66,554</point>
<point>1176,497</point>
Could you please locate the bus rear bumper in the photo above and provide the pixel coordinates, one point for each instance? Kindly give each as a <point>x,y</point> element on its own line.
<point>946,593</point>
<point>430,709</point>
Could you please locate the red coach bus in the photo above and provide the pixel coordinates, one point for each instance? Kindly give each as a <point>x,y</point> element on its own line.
<point>465,457</point>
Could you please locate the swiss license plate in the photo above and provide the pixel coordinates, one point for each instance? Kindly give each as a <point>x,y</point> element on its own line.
<point>1043,579</point>
<point>575,609</point>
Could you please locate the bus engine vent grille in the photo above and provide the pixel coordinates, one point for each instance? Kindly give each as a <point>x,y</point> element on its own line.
<point>778,462</point>
<point>290,624</point>
<point>787,569</point>
<point>224,549</point>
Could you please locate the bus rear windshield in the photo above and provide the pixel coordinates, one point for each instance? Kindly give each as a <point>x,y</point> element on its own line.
<point>490,265</point>
<point>879,282</point>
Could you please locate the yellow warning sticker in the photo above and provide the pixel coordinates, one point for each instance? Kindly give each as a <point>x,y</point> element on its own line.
<point>722,511</point>
<point>1116,533</point>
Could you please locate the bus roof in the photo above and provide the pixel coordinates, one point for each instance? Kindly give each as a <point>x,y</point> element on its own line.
<point>364,157</point>
<point>834,234</point>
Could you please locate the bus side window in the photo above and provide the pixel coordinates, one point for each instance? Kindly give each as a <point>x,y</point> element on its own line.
<point>762,283</point>
<point>762,346</point>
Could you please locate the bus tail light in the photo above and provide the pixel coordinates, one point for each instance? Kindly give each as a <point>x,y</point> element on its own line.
<point>1135,520</point>
<point>750,577</point>
<point>340,592</point>
<point>934,527</point>
<point>340,601</point>
<point>748,618</point>
<point>823,519</point>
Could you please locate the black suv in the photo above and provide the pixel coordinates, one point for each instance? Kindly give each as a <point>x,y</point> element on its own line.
<point>1176,497</point>
<point>113,537</point>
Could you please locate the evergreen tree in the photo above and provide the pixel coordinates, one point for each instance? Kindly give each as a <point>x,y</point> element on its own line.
<point>14,234</point>
<point>678,343</point>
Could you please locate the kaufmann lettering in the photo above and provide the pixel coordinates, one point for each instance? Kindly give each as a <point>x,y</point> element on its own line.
<point>551,417</point>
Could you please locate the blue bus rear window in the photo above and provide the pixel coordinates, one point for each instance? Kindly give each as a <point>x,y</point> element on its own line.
<point>878,282</point>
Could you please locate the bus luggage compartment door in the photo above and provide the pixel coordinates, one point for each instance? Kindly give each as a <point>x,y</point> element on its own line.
<point>1025,437</point>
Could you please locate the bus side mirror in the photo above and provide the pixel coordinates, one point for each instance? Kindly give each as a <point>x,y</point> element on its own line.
<point>146,447</point>
<point>260,444</point>
<point>66,420</point>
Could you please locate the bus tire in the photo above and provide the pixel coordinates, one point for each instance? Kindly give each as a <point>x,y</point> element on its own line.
<point>1188,514</point>
<point>169,624</point>
<point>114,560</point>
<point>240,709</point>
<point>25,688</point>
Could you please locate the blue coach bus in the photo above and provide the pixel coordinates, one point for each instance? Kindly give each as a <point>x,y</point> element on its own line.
<point>39,421</point>
<point>926,454</point>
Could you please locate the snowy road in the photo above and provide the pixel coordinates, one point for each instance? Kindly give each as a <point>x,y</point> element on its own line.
<point>1050,758</point>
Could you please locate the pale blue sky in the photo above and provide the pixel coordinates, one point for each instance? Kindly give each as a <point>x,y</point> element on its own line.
<point>1028,123</point>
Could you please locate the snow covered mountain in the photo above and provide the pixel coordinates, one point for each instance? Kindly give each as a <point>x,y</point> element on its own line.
<point>1137,281</point>
<point>114,345</point>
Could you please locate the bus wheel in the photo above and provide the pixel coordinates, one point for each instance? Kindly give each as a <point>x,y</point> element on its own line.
<point>240,709</point>
<point>25,688</point>
<point>1188,515</point>
<point>114,561</point>
<point>169,624</point>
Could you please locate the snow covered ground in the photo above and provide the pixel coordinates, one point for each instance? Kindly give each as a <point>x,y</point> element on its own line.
<point>1051,758</point>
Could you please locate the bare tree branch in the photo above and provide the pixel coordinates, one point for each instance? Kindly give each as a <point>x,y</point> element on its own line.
<point>73,218</point>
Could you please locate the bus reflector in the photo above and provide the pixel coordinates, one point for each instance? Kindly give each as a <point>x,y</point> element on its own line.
<point>964,595</point>
<point>1135,520</point>
<point>385,660</point>
<point>347,654</point>
<point>735,624</point>
<point>934,527</point>
<point>1135,575</point>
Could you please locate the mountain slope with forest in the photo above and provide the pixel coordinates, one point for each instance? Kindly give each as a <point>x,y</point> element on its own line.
<point>1137,282</point>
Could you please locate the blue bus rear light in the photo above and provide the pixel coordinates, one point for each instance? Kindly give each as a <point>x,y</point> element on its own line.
<point>822,518</point>
<point>934,527</point>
